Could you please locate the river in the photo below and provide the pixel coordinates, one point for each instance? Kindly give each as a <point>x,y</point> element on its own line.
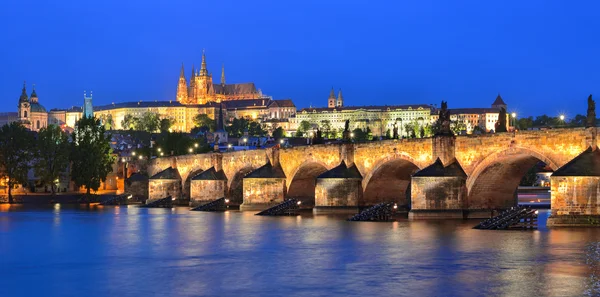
<point>131,251</point>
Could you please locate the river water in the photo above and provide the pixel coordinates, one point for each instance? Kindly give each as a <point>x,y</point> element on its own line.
<point>132,251</point>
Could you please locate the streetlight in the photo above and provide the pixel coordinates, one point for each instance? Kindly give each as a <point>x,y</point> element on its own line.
<point>562,117</point>
<point>195,145</point>
<point>158,149</point>
<point>190,150</point>
<point>140,157</point>
<point>281,141</point>
<point>133,153</point>
<point>514,119</point>
<point>351,134</point>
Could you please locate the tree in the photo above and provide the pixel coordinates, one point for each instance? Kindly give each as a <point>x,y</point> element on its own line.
<point>278,133</point>
<point>303,127</point>
<point>91,155</point>
<point>457,127</point>
<point>326,128</point>
<point>180,144</point>
<point>578,121</point>
<point>15,155</point>
<point>203,121</point>
<point>525,123</point>
<point>530,177</point>
<point>128,122</point>
<point>165,124</point>
<point>51,155</point>
<point>256,129</point>
<point>360,135</point>
<point>149,121</point>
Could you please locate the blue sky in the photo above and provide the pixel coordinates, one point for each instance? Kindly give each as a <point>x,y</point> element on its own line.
<point>542,56</point>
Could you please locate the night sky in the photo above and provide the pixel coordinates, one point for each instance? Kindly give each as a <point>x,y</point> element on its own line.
<point>542,56</point>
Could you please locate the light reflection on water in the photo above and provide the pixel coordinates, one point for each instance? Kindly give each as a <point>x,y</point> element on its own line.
<point>132,251</point>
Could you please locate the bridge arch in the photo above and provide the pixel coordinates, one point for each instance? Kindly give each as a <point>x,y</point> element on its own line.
<point>235,183</point>
<point>494,180</point>
<point>302,182</point>
<point>389,181</point>
<point>187,182</point>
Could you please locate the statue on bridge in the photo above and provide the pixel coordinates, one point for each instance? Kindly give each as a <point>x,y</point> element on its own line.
<point>590,120</point>
<point>501,123</point>
<point>443,123</point>
<point>346,133</point>
<point>395,131</point>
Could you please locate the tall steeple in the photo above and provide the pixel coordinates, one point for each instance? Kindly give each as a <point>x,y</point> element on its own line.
<point>340,99</point>
<point>24,97</point>
<point>223,74</point>
<point>182,90</point>
<point>331,99</point>
<point>203,71</point>
<point>33,98</point>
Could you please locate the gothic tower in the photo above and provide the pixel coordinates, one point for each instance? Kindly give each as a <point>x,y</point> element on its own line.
<point>331,100</point>
<point>223,75</point>
<point>340,100</point>
<point>204,86</point>
<point>25,107</point>
<point>182,90</point>
<point>192,87</point>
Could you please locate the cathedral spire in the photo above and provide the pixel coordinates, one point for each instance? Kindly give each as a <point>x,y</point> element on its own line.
<point>24,97</point>
<point>223,74</point>
<point>181,74</point>
<point>340,99</point>
<point>331,99</point>
<point>193,73</point>
<point>203,71</point>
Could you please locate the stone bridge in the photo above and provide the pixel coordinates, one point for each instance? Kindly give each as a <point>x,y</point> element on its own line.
<point>474,174</point>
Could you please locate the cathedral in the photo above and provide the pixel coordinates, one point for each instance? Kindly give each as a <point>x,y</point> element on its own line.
<point>202,90</point>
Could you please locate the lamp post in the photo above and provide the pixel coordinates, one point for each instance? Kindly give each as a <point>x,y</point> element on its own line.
<point>514,120</point>
<point>562,119</point>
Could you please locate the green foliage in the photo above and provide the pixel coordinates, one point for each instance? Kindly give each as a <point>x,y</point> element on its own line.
<point>179,143</point>
<point>328,131</point>
<point>203,121</point>
<point>51,155</point>
<point>15,154</point>
<point>238,126</point>
<point>526,123</point>
<point>501,124</point>
<point>128,122</point>
<point>360,135</point>
<point>388,134</point>
<point>457,127</point>
<point>278,133</point>
<point>91,155</point>
<point>149,121</point>
<point>303,128</point>
<point>166,124</point>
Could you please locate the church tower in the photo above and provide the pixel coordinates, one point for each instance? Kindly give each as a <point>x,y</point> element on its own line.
<point>331,100</point>
<point>25,107</point>
<point>182,90</point>
<point>340,100</point>
<point>192,86</point>
<point>204,86</point>
<point>88,109</point>
<point>223,75</point>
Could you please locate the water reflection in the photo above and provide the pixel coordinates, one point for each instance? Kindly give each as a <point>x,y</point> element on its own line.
<point>132,251</point>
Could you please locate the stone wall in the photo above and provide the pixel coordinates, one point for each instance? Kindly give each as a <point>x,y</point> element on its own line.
<point>264,191</point>
<point>575,195</point>
<point>438,193</point>
<point>161,188</point>
<point>139,189</point>
<point>338,192</point>
<point>204,191</point>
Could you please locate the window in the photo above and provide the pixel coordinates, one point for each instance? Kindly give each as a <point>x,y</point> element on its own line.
<point>25,113</point>
<point>38,124</point>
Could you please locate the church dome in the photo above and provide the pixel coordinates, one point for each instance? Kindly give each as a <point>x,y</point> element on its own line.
<point>36,107</point>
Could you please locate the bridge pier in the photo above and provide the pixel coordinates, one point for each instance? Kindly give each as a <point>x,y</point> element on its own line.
<point>163,184</point>
<point>263,188</point>
<point>207,186</point>
<point>439,192</point>
<point>338,190</point>
<point>575,192</point>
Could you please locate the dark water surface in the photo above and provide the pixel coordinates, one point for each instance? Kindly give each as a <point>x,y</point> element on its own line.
<point>131,251</point>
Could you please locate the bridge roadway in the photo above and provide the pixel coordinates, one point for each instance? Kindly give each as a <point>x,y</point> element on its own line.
<point>474,175</point>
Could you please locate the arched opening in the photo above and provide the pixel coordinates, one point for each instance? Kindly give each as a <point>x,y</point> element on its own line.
<point>25,113</point>
<point>38,124</point>
<point>494,184</point>
<point>303,183</point>
<point>188,183</point>
<point>390,182</point>
<point>236,191</point>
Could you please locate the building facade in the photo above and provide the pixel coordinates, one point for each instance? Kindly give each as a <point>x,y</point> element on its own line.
<point>30,112</point>
<point>378,119</point>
